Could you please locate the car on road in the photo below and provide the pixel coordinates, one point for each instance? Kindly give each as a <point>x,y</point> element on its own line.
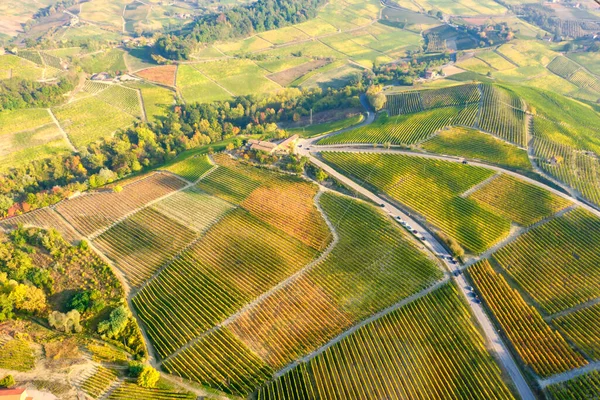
<point>422,238</point>
<point>382,205</point>
<point>470,288</point>
<point>465,162</point>
<point>299,145</point>
<point>456,272</point>
<point>399,218</point>
<point>476,301</point>
<point>414,231</point>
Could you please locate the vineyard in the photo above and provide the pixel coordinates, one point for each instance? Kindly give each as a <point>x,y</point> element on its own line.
<point>427,349</point>
<point>287,204</point>
<point>406,129</point>
<point>582,328</point>
<point>16,354</point>
<point>90,119</point>
<point>556,263</point>
<point>123,98</point>
<point>470,143</point>
<point>130,391</point>
<point>416,101</point>
<point>237,259</point>
<point>93,212</point>
<point>518,201</point>
<point>98,382</point>
<point>45,218</point>
<point>143,242</point>
<point>191,168</point>
<point>193,208</point>
<point>582,387</point>
<point>570,70</point>
<point>229,184</point>
<point>106,353</point>
<point>575,168</point>
<point>368,270</point>
<point>502,114</point>
<point>219,360</point>
<point>563,67</point>
<point>431,188</point>
<point>540,348</point>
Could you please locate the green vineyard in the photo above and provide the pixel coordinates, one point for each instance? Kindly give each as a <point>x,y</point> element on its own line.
<point>502,115</point>
<point>427,349</point>
<point>563,67</point>
<point>584,387</point>
<point>518,201</point>
<point>192,168</point>
<point>416,101</point>
<point>570,166</point>
<point>130,391</point>
<point>473,144</point>
<point>541,348</point>
<point>123,98</point>
<point>582,328</point>
<point>433,189</point>
<point>99,382</point>
<point>406,129</point>
<point>556,263</point>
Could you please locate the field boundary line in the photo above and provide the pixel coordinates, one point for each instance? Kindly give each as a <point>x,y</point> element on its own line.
<point>516,234</point>
<point>212,80</point>
<point>573,309</point>
<point>480,185</point>
<point>308,267</point>
<point>142,105</point>
<point>99,232</point>
<point>565,376</point>
<point>62,131</point>
<point>363,323</point>
<point>506,57</point>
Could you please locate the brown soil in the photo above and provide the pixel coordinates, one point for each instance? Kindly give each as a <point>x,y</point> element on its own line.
<point>288,76</point>
<point>164,74</point>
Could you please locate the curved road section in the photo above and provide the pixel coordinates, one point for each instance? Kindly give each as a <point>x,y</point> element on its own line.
<point>306,147</point>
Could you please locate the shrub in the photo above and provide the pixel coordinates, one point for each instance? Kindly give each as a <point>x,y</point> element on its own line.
<point>7,382</point>
<point>148,377</point>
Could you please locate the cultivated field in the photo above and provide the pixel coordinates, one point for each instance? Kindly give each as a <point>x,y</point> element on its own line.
<point>433,189</point>
<point>471,143</point>
<point>582,328</point>
<point>518,201</point>
<point>540,348</point>
<point>555,263</point>
<point>583,387</point>
<point>423,350</point>
<point>94,212</point>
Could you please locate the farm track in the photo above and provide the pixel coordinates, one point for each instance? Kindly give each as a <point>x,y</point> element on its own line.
<point>574,373</point>
<point>62,131</point>
<point>363,323</point>
<point>481,184</point>
<point>573,309</point>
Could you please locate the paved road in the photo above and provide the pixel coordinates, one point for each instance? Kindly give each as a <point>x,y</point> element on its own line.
<point>494,340</point>
<point>370,149</point>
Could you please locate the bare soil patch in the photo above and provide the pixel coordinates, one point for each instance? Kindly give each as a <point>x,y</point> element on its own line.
<point>164,74</point>
<point>288,76</point>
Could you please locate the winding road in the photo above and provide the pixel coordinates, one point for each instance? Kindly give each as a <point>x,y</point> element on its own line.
<point>307,147</point>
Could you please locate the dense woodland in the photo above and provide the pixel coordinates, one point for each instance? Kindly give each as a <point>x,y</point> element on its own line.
<point>20,93</point>
<point>46,182</point>
<point>237,22</point>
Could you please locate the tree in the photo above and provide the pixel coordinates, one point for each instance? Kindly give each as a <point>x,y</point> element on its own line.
<point>230,146</point>
<point>116,323</point>
<point>148,377</point>
<point>321,175</point>
<point>7,382</point>
<point>5,203</point>
<point>68,323</point>
<point>135,369</point>
<point>376,97</point>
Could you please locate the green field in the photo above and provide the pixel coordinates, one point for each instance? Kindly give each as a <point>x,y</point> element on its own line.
<point>581,328</point>
<point>433,189</point>
<point>239,77</point>
<point>89,119</point>
<point>20,148</point>
<point>471,143</point>
<point>191,168</point>
<point>111,61</point>
<point>17,67</point>
<point>196,87</point>
<point>157,100</point>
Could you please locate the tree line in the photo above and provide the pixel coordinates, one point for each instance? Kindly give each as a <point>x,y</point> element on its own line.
<point>44,182</point>
<point>237,22</point>
<point>21,93</point>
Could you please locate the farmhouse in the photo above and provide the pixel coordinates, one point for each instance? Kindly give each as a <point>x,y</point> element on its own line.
<point>284,146</point>
<point>14,394</point>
